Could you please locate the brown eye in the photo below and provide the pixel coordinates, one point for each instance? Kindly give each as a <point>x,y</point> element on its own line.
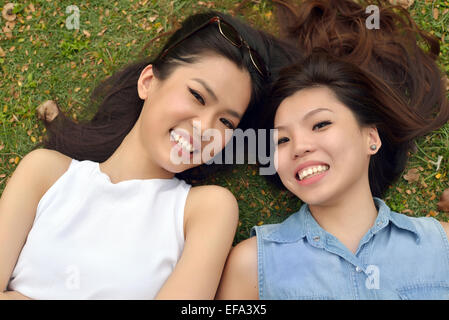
<point>321,125</point>
<point>282,140</point>
<point>197,96</point>
<point>227,123</point>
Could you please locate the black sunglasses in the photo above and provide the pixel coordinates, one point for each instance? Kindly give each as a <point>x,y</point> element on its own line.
<point>230,34</point>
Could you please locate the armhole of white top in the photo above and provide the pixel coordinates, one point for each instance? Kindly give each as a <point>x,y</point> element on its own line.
<point>52,188</point>
<point>182,219</point>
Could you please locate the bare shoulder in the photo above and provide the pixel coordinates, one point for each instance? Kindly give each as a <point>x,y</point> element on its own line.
<point>211,200</point>
<point>45,165</point>
<point>240,278</point>
<point>243,256</point>
<point>445,227</point>
<point>211,192</point>
<point>48,160</point>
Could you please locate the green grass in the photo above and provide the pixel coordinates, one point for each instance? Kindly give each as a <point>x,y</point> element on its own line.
<point>44,60</point>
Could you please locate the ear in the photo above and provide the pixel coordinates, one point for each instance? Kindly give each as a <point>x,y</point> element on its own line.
<point>146,82</point>
<point>373,139</point>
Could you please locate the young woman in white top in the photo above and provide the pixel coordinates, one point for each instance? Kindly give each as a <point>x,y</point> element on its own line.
<point>102,215</point>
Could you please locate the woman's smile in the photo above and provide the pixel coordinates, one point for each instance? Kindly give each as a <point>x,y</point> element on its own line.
<point>311,174</point>
<point>184,141</point>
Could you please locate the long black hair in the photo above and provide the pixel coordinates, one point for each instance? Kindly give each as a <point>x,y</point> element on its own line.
<point>118,104</point>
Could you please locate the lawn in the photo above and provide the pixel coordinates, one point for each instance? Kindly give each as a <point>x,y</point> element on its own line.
<point>41,59</point>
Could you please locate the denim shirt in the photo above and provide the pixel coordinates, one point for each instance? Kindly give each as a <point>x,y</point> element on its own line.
<point>400,257</point>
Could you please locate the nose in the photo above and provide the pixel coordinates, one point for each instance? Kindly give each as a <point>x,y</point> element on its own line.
<point>201,122</point>
<point>301,146</point>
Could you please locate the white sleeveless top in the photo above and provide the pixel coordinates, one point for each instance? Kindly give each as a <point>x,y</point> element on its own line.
<point>92,239</point>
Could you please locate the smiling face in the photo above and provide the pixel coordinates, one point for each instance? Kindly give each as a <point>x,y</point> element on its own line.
<point>323,153</point>
<point>212,93</point>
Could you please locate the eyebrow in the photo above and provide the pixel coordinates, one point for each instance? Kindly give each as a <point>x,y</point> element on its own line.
<point>212,94</point>
<point>233,113</point>
<point>208,89</point>
<point>308,115</point>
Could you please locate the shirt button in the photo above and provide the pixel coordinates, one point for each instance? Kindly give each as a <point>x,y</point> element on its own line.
<point>379,223</point>
<point>316,238</point>
<point>358,269</point>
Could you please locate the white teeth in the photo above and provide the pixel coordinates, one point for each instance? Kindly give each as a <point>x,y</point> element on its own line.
<point>312,170</point>
<point>181,141</point>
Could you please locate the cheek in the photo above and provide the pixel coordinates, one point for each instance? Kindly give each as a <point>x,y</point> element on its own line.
<point>346,152</point>
<point>281,163</point>
<point>213,141</point>
<point>171,107</point>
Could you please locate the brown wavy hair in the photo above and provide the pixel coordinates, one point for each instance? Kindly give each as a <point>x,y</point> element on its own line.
<point>394,68</point>
<point>399,52</point>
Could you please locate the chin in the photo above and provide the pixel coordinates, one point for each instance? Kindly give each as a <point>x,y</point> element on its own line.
<point>180,168</point>
<point>314,198</point>
<point>176,169</point>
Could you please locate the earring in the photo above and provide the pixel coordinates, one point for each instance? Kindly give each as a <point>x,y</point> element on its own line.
<point>373,147</point>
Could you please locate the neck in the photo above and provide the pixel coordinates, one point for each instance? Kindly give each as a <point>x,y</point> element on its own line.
<point>349,217</point>
<point>130,161</point>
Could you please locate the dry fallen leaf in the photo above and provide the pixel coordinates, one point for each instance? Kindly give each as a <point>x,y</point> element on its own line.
<point>7,32</point>
<point>10,25</point>
<point>432,213</point>
<point>412,175</point>
<point>443,205</point>
<point>48,110</point>
<point>101,33</point>
<point>7,13</point>
<point>435,13</point>
<point>403,3</point>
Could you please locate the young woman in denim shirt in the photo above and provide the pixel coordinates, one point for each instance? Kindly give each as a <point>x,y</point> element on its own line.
<point>344,133</point>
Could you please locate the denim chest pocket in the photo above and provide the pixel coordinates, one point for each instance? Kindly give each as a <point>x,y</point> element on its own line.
<point>425,291</point>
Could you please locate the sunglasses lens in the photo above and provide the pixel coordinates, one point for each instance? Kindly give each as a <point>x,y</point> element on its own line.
<point>233,36</point>
<point>230,33</point>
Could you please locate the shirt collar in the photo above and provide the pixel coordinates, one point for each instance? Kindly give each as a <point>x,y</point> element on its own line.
<point>302,224</point>
<point>385,215</point>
